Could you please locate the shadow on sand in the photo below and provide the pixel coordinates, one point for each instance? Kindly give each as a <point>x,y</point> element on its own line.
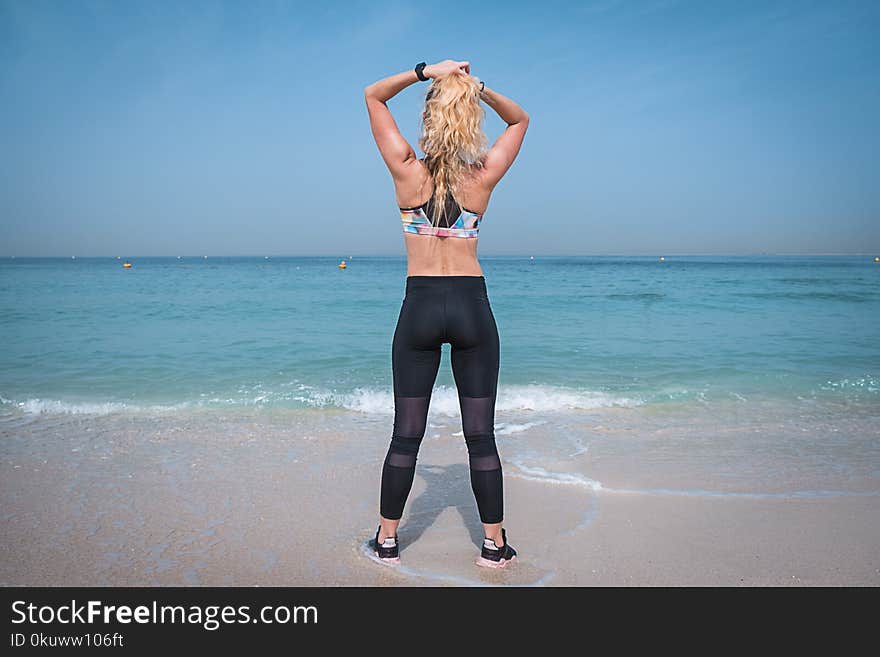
<point>446,486</point>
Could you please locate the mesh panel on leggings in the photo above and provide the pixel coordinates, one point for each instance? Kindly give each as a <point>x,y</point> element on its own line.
<point>410,421</point>
<point>477,423</point>
<point>477,415</point>
<point>410,416</point>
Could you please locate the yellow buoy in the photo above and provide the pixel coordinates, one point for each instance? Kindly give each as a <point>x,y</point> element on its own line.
<point>127,265</point>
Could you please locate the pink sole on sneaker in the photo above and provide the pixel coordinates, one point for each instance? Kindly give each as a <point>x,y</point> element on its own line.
<point>394,561</point>
<point>488,563</point>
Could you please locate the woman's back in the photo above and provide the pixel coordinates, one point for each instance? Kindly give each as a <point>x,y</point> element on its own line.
<point>444,242</point>
<point>433,252</point>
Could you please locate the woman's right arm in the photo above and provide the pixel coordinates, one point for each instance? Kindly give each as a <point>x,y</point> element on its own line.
<point>507,109</point>
<point>505,149</point>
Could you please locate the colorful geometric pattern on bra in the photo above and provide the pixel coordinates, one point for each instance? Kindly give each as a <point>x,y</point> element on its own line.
<point>416,221</point>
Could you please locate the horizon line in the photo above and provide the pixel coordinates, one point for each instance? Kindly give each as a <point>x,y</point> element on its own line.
<point>484,255</point>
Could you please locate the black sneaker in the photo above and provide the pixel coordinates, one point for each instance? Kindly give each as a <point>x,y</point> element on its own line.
<point>493,556</point>
<point>388,550</point>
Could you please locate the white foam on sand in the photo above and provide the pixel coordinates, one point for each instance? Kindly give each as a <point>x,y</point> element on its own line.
<point>507,428</point>
<point>559,478</point>
<point>542,475</point>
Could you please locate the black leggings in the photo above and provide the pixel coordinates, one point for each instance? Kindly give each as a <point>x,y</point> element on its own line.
<point>438,309</point>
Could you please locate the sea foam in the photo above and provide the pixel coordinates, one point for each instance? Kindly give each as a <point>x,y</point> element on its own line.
<point>37,406</point>
<point>444,399</point>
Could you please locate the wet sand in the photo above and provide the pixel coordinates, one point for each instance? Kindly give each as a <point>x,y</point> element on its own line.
<point>226,500</point>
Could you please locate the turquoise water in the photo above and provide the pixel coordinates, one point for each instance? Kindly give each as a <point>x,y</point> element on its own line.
<point>581,332</point>
<point>755,376</point>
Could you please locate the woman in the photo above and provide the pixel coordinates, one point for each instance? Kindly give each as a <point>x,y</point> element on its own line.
<point>442,199</point>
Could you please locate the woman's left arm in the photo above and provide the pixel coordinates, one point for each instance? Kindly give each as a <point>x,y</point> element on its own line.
<point>387,88</point>
<point>395,150</point>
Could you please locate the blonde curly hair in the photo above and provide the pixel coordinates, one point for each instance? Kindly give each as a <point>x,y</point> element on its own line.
<point>452,136</point>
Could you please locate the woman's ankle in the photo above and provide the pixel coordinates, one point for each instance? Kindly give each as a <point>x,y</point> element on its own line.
<point>387,529</point>
<point>494,533</point>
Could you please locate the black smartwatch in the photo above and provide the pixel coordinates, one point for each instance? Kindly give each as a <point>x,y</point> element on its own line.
<point>419,68</point>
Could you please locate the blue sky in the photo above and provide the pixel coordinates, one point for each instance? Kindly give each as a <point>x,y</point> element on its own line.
<point>240,128</point>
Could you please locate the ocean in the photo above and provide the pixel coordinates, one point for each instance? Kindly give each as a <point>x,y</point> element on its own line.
<point>755,374</point>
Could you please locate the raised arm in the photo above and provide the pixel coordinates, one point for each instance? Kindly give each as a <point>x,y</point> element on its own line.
<point>505,149</point>
<point>395,149</point>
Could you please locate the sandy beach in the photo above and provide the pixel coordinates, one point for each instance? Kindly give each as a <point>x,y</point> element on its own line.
<point>261,500</point>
